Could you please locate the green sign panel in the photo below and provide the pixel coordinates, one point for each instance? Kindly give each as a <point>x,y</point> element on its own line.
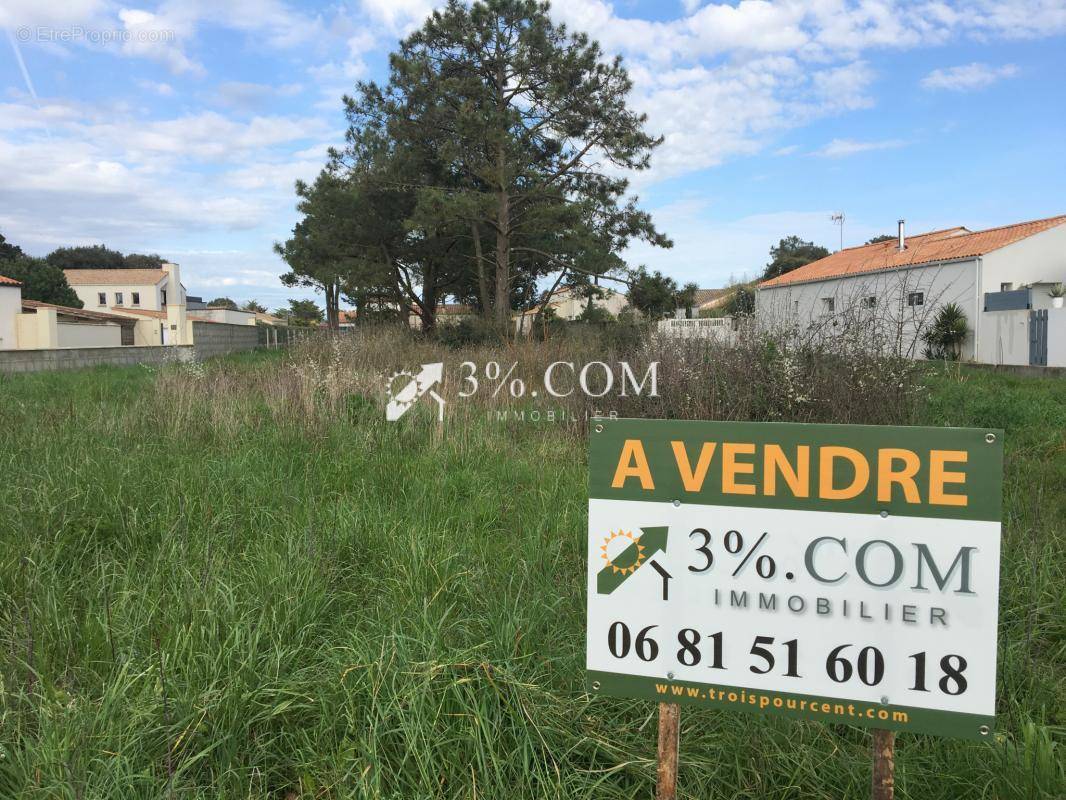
<point>842,573</point>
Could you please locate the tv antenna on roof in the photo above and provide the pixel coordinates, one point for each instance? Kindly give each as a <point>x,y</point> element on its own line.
<point>838,219</point>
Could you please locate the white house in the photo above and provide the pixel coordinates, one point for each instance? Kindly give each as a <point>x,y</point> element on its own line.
<point>569,302</point>
<point>138,293</point>
<point>1000,277</point>
<point>102,289</point>
<point>30,325</point>
<point>10,308</point>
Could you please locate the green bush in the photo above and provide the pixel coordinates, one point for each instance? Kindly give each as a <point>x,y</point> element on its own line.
<point>467,332</point>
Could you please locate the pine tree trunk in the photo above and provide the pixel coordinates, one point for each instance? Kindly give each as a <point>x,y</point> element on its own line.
<point>503,262</point>
<point>427,309</point>
<point>482,281</point>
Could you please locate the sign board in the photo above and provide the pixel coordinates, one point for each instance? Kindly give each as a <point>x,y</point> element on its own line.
<point>840,573</point>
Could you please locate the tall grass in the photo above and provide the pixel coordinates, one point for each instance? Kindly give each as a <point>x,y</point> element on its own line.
<point>235,580</point>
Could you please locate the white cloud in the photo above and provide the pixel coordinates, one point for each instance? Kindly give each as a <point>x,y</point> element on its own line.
<point>399,16</point>
<point>16,13</point>
<point>279,177</point>
<point>148,35</point>
<point>106,175</point>
<point>246,96</point>
<point>967,77</point>
<point>206,136</point>
<point>163,89</point>
<point>842,148</point>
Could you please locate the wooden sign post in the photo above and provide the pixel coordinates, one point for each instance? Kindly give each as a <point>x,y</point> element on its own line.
<point>669,744</point>
<point>883,778</point>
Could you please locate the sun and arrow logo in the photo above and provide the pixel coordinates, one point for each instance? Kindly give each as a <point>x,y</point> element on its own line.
<point>623,553</point>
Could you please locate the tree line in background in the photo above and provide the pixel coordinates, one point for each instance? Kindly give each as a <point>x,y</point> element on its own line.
<point>652,293</point>
<point>43,280</point>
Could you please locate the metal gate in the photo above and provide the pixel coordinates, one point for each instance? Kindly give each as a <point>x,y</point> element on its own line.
<point>1038,338</point>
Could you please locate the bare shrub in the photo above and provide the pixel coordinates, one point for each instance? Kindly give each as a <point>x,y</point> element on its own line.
<point>760,375</point>
<point>763,376</point>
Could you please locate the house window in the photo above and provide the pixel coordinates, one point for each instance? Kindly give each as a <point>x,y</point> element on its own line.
<point>916,299</point>
<point>118,298</point>
<point>869,302</point>
<point>1006,287</point>
<point>163,293</point>
<point>829,305</point>
<point>796,307</point>
<point>101,298</point>
<point>136,298</point>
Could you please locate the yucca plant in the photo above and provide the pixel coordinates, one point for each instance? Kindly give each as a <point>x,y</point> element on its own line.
<point>947,333</point>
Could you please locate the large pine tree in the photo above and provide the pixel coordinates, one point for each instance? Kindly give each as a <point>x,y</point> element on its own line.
<point>510,132</point>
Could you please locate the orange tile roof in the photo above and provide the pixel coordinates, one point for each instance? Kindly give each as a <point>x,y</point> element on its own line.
<point>453,308</point>
<point>945,245</point>
<point>77,313</point>
<point>141,312</point>
<point>114,277</point>
<point>704,296</point>
<point>154,313</point>
<point>9,281</point>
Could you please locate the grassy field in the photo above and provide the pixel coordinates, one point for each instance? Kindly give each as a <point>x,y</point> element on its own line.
<point>204,596</point>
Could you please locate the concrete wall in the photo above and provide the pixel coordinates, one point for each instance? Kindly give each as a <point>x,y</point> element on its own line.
<point>214,339</point>
<point>10,308</point>
<point>89,335</point>
<point>800,306</point>
<point>1004,337</point>
<point>26,327</point>
<point>39,330</point>
<point>75,358</point>
<point>226,315</point>
<point>148,333</point>
<point>1056,337</point>
<point>718,328</point>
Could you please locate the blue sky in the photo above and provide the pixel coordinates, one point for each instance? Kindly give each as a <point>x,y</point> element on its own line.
<point>179,127</point>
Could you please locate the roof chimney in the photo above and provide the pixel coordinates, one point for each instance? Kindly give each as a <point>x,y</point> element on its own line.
<point>902,243</point>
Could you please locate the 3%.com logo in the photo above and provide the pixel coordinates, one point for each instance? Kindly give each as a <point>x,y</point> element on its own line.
<point>406,388</point>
